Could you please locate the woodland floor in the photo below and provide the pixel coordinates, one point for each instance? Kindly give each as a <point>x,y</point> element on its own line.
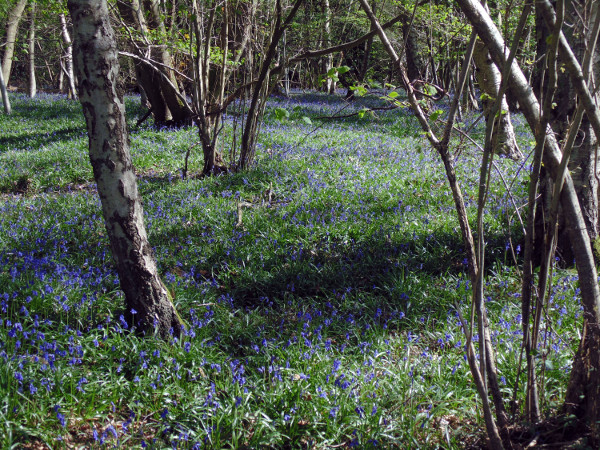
<point>327,318</point>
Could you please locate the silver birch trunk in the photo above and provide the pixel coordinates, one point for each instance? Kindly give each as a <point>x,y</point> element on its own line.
<point>5,100</point>
<point>31,82</point>
<point>148,303</point>
<point>14,17</point>
<point>68,56</point>
<point>61,77</point>
<point>503,136</point>
<point>329,60</point>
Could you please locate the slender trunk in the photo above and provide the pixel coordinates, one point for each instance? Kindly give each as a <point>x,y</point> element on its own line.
<point>31,82</point>
<point>329,61</point>
<point>68,56</point>
<point>148,302</point>
<point>5,100</point>
<point>61,77</point>
<point>14,17</point>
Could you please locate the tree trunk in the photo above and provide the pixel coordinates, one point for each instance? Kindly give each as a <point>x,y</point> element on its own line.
<point>153,65</point>
<point>31,83</point>
<point>416,49</point>
<point>488,75</point>
<point>5,100</point>
<point>148,303</point>
<point>329,61</point>
<point>68,56</point>
<point>583,164</point>
<point>586,366</point>
<point>179,112</point>
<point>14,17</point>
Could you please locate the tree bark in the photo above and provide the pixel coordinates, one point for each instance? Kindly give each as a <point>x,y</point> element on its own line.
<point>148,303</point>
<point>330,86</point>
<point>68,56</point>
<point>583,164</point>
<point>4,93</point>
<point>14,17</point>
<point>503,135</point>
<point>415,37</point>
<point>31,82</point>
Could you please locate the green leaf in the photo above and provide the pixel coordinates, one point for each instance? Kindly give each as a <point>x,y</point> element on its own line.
<point>306,120</point>
<point>331,72</point>
<point>430,90</point>
<point>362,113</point>
<point>343,69</point>
<point>393,94</point>
<point>434,115</point>
<point>359,90</point>
<point>282,113</point>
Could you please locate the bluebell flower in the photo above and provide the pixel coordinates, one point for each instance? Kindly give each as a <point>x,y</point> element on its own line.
<point>333,411</point>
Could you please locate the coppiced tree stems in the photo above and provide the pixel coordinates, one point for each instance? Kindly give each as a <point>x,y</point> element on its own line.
<point>586,367</point>
<point>149,305</point>
<point>485,372</point>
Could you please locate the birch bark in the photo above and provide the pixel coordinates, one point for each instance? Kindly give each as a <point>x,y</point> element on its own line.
<point>488,76</point>
<point>5,100</point>
<point>68,56</point>
<point>14,17</point>
<point>31,82</point>
<point>148,303</point>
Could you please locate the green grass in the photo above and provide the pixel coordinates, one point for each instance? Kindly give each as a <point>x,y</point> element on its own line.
<point>326,319</point>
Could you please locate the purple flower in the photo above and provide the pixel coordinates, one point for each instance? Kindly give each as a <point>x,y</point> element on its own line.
<point>333,411</point>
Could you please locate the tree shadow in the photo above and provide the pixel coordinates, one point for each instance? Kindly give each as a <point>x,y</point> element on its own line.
<point>37,140</point>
